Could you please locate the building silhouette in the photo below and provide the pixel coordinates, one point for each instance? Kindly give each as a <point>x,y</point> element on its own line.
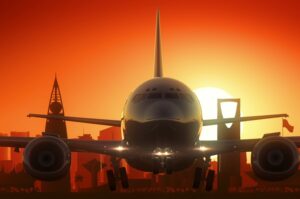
<point>3,150</point>
<point>16,154</point>
<point>73,169</point>
<point>247,181</point>
<point>6,166</point>
<point>14,181</point>
<point>93,167</point>
<point>83,177</point>
<point>229,176</point>
<point>111,133</point>
<point>54,126</point>
<point>57,128</point>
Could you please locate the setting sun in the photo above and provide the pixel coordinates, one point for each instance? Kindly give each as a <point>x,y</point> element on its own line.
<point>208,98</point>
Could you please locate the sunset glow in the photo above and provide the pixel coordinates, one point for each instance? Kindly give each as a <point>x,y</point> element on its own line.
<point>208,98</point>
<point>102,50</point>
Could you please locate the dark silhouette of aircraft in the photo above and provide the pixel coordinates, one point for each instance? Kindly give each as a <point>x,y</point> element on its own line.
<point>161,125</point>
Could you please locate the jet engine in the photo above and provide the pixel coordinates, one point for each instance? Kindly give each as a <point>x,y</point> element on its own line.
<point>47,158</point>
<point>275,158</point>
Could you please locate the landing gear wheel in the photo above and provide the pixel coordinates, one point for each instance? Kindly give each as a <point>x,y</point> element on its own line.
<point>111,179</point>
<point>197,177</point>
<point>210,180</point>
<point>124,177</point>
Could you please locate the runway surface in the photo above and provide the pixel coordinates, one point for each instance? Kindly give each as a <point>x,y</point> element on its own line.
<point>150,195</point>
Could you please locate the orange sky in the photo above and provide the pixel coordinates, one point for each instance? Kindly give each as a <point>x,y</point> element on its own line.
<point>101,50</point>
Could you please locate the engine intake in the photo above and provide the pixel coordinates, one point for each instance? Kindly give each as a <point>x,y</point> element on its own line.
<point>275,158</point>
<point>47,158</point>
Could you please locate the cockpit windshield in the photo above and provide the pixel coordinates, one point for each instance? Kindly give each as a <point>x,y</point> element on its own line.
<point>156,95</point>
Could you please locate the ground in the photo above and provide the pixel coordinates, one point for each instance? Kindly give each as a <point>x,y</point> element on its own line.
<point>150,195</point>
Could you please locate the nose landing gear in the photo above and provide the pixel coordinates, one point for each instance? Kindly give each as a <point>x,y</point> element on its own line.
<point>111,180</point>
<point>162,164</point>
<point>197,177</point>
<point>124,178</point>
<point>162,160</point>
<point>210,180</point>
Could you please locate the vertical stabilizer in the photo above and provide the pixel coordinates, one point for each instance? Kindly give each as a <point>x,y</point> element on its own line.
<point>158,58</point>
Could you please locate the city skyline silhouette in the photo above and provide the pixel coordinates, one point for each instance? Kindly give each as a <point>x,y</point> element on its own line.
<point>247,52</point>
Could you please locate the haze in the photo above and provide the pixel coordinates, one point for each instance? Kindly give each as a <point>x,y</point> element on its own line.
<point>101,50</point>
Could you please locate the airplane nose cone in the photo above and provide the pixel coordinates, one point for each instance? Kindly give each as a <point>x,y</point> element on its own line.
<point>163,111</point>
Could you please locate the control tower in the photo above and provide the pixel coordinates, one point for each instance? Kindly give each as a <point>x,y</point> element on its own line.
<point>229,176</point>
<point>57,128</point>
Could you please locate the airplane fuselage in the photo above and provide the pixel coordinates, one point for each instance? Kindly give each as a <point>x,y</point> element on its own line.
<point>161,116</point>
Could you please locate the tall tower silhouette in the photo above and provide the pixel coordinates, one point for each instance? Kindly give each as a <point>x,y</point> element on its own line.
<point>57,128</point>
<point>53,126</point>
<point>229,176</point>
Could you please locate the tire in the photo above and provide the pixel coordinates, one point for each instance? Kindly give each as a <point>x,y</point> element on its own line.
<point>197,178</point>
<point>124,178</point>
<point>210,180</point>
<point>111,179</point>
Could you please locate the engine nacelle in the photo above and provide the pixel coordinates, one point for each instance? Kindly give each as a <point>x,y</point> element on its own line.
<point>47,158</point>
<point>275,158</point>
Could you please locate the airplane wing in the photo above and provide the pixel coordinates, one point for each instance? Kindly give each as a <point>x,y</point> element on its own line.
<point>215,147</point>
<point>119,149</point>
<point>240,119</point>
<point>113,148</point>
<point>118,122</point>
<point>79,119</point>
<point>17,142</point>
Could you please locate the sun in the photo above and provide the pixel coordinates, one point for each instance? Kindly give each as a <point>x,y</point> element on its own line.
<point>208,97</point>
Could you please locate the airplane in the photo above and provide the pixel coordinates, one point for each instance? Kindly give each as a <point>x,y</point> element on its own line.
<point>161,125</point>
